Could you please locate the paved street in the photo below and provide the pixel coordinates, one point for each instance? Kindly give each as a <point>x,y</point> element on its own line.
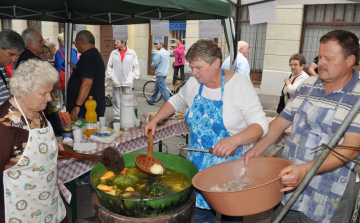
<point>84,192</point>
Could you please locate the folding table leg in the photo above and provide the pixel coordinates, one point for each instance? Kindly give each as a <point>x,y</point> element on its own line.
<point>73,200</point>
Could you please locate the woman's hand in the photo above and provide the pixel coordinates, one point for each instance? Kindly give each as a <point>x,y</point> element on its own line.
<point>224,147</point>
<point>150,126</point>
<point>61,148</point>
<point>287,80</point>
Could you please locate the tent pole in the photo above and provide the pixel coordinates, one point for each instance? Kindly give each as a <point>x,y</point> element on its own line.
<point>237,33</point>
<point>312,172</point>
<point>68,45</point>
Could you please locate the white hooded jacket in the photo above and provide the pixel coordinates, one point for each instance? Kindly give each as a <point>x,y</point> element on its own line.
<point>123,73</point>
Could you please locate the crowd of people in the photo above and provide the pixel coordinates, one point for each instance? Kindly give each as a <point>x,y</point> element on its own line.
<point>223,113</point>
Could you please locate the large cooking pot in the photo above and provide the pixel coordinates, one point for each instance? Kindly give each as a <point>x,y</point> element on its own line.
<point>264,193</point>
<point>152,207</point>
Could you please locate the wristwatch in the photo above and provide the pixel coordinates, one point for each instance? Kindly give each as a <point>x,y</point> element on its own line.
<point>76,105</point>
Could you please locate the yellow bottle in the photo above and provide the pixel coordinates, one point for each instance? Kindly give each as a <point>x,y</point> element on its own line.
<point>90,116</point>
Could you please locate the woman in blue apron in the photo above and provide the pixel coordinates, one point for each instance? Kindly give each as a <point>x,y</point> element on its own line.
<point>224,113</point>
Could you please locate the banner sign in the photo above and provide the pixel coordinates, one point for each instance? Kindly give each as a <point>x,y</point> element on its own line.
<point>80,27</point>
<point>159,27</point>
<point>177,26</point>
<point>120,32</point>
<point>210,29</point>
<point>264,12</point>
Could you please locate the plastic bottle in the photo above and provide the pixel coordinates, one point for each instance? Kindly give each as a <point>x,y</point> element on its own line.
<point>90,116</point>
<point>135,98</point>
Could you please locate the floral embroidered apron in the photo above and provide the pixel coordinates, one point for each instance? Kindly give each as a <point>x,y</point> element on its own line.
<point>205,120</point>
<point>311,128</point>
<point>30,187</point>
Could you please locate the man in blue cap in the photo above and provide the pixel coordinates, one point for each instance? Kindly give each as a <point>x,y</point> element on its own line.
<point>160,65</point>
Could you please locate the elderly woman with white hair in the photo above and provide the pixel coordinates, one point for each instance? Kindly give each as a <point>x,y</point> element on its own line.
<point>29,148</point>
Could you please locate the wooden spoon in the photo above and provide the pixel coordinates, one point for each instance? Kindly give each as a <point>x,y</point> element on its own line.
<point>145,162</point>
<point>111,158</point>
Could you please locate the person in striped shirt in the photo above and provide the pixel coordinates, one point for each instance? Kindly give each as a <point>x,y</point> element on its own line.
<point>316,111</point>
<point>11,46</point>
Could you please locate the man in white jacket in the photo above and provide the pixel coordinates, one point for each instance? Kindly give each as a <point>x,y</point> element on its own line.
<point>122,68</point>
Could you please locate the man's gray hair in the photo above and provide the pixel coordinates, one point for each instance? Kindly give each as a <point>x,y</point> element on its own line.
<point>241,44</point>
<point>87,36</point>
<point>11,40</point>
<point>31,75</point>
<point>29,34</point>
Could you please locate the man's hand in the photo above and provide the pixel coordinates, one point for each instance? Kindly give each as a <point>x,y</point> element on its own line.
<point>74,113</point>
<point>292,175</point>
<point>251,153</point>
<point>72,65</point>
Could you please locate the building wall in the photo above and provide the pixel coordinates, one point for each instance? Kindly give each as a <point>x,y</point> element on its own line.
<point>19,25</point>
<point>50,30</point>
<point>282,40</point>
<point>138,39</point>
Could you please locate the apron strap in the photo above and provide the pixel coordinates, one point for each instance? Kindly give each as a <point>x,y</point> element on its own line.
<point>222,85</point>
<point>22,112</point>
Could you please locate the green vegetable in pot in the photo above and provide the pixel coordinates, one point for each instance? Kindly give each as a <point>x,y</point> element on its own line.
<point>159,190</point>
<point>125,179</point>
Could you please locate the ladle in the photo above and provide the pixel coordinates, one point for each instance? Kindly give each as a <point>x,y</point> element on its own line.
<point>110,157</point>
<point>145,162</point>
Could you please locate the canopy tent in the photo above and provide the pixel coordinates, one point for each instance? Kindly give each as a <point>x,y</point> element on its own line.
<point>114,12</point>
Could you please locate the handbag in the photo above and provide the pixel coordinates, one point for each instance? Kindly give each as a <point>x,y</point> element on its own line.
<point>62,73</point>
<point>282,103</point>
<point>179,59</point>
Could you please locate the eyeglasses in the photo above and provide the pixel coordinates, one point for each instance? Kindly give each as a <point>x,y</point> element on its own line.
<point>293,65</point>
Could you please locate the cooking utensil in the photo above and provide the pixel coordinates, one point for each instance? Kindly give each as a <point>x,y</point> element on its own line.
<point>111,158</point>
<point>145,162</point>
<point>205,150</point>
<point>146,207</point>
<point>263,173</point>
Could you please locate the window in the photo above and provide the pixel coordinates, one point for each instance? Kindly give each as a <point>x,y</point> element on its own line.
<point>320,19</point>
<point>6,24</point>
<point>255,36</point>
<point>34,23</point>
<point>177,29</point>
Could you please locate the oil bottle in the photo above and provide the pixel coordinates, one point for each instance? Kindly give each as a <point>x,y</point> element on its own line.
<point>90,116</point>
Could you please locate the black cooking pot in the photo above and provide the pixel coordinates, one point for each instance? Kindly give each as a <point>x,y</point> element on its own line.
<point>151,207</point>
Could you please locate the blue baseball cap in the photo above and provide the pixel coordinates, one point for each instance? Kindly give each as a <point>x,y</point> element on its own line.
<point>159,41</point>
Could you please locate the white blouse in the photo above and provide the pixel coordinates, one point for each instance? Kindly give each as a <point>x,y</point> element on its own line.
<point>241,106</point>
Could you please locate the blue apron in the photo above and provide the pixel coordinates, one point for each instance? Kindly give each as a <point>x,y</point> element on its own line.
<point>205,120</point>
<point>311,128</point>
